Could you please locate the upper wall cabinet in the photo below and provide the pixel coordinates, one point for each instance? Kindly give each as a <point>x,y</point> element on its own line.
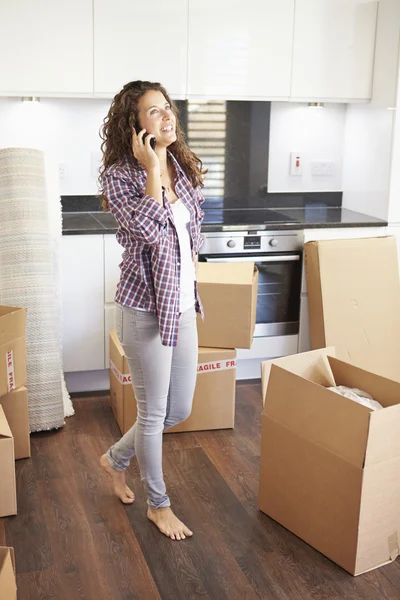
<point>240,49</point>
<point>46,47</point>
<point>333,54</point>
<point>140,40</point>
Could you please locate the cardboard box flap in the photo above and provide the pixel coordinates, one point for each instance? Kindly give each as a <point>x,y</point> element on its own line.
<point>8,585</point>
<point>384,439</point>
<point>354,298</point>
<point>15,406</point>
<point>5,431</point>
<point>206,354</point>
<point>237,273</point>
<point>314,293</point>
<point>12,323</point>
<point>317,414</point>
<point>383,390</point>
<point>6,551</point>
<point>310,365</point>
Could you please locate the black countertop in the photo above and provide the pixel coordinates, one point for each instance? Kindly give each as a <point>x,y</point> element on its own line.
<point>272,219</point>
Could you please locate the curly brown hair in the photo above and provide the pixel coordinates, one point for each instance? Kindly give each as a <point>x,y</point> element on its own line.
<point>116,133</point>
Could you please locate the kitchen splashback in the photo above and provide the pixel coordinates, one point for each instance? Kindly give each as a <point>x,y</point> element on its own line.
<point>232,140</point>
<point>251,141</point>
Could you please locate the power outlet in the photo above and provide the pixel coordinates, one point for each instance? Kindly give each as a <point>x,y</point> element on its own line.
<point>296,163</point>
<point>323,167</point>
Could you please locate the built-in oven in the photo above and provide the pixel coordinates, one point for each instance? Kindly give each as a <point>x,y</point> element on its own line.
<point>278,257</point>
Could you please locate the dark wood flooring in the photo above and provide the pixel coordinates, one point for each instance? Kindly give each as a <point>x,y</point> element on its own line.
<point>74,540</point>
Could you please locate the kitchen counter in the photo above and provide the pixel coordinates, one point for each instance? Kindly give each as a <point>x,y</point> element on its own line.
<point>215,220</point>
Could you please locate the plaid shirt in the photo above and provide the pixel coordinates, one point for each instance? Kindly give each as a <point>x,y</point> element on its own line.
<point>150,268</point>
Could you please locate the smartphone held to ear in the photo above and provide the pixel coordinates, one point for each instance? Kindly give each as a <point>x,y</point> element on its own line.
<point>152,141</point>
<point>146,133</point>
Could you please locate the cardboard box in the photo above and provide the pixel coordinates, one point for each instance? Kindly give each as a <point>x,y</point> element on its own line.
<point>330,468</point>
<point>122,397</point>
<point>12,348</point>
<point>8,494</point>
<point>228,291</point>
<point>15,406</point>
<point>214,398</point>
<point>354,301</point>
<point>215,393</point>
<point>8,586</point>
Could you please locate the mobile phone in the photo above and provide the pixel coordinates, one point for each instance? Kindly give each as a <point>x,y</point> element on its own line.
<point>153,139</point>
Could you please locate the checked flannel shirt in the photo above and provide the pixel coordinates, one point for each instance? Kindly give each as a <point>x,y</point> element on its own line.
<point>150,267</point>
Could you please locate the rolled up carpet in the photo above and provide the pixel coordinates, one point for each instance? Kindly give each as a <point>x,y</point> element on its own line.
<point>29,278</point>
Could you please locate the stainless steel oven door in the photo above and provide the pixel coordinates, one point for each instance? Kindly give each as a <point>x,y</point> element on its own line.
<point>279,286</point>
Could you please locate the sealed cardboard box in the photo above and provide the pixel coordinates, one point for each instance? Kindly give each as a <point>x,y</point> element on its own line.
<point>12,348</point>
<point>215,393</point>
<point>228,291</point>
<point>8,586</point>
<point>8,495</point>
<point>214,398</point>
<point>354,299</point>
<point>330,467</point>
<point>15,406</point>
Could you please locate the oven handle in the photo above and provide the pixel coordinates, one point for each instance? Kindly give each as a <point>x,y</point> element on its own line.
<point>287,258</point>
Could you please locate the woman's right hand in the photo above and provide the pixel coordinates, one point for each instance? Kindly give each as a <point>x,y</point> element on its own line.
<point>143,152</point>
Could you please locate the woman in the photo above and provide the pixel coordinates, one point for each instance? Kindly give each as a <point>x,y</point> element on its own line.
<point>155,196</point>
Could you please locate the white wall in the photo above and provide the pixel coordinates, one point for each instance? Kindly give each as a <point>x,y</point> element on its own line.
<point>68,129</point>
<point>317,133</point>
<point>369,164</point>
<point>367,160</point>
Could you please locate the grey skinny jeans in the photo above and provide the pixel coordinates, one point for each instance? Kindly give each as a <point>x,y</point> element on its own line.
<point>164,380</point>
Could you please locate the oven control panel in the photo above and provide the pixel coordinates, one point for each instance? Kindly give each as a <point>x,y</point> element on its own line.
<point>252,242</point>
<point>233,242</point>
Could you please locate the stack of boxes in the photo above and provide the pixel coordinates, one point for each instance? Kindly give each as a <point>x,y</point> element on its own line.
<point>229,295</point>
<point>14,416</point>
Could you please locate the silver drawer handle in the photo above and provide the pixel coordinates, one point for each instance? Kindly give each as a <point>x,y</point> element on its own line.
<point>259,259</point>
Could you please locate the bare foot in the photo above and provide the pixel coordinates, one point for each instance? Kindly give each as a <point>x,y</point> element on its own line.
<point>121,490</point>
<point>168,523</point>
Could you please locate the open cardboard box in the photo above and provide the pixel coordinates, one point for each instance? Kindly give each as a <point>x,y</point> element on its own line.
<point>330,467</point>
<point>8,586</point>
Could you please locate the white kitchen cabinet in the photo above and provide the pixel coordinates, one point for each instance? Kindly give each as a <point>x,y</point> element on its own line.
<point>140,40</point>
<point>240,49</point>
<point>46,47</point>
<point>333,52</point>
<point>109,325</point>
<point>83,302</point>
<point>112,259</point>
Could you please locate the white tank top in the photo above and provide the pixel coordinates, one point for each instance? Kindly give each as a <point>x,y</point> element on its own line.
<point>188,272</point>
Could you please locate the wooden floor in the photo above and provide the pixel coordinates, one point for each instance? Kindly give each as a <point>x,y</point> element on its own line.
<point>73,540</point>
